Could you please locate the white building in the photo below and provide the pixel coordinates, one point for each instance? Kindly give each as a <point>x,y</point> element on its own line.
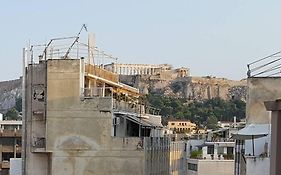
<point>212,158</point>
<point>252,150</point>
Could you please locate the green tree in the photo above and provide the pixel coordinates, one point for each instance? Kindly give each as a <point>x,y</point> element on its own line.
<point>12,114</point>
<point>204,112</point>
<point>18,104</point>
<point>212,123</point>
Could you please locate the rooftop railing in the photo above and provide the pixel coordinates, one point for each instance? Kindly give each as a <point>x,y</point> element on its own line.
<point>97,92</point>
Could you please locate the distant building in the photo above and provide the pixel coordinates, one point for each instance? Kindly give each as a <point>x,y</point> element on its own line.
<point>183,72</point>
<point>10,143</point>
<point>181,126</point>
<point>137,69</point>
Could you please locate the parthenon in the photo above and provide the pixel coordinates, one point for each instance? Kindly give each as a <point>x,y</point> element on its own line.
<point>137,69</point>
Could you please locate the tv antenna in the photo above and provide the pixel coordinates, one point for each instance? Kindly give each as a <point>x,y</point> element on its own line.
<point>76,40</point>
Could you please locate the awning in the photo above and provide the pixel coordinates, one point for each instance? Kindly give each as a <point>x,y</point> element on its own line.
<point>137,120</point>
<point>144,122</point>
<point>252,131</point>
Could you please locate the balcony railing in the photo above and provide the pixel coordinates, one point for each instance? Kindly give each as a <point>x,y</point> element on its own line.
<point>97,92</point>
<point>126,106</point>
<point>5,164</point>
<point>10,133</point>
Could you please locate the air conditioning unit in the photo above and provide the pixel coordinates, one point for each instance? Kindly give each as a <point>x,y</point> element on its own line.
<point>116,121</point>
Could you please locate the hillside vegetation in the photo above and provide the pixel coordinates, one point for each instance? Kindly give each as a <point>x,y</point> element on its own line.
<point>204,113</point>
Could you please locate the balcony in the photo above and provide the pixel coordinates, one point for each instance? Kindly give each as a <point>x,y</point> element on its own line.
<point>10,149</point>
<point>5,164</point>
<point>10,133</point>
<point>7,149</point>
<point>97,92</point>
<point>126,106</point>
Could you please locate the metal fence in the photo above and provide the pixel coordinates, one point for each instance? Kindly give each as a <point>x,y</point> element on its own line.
<point>164,157</point>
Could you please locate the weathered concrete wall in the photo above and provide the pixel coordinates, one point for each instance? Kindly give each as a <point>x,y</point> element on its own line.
<point>260,90</point>
<point>79,131</point>
<point>36,163</point>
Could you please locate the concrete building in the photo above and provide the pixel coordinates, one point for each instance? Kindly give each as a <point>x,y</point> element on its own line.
<point>181,126</point>
<point>79,119</point>
<point>264,74</point>
<point>254,141</point>
<point>213,154</point>
<point>214,158</point>
<point>10,143</point>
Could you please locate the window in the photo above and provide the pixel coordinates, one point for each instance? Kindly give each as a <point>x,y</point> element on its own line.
<point>192,166</point>
<point>229,150</point>
<point>172,123</point>
<point>210,149</point>
<point>220,150</point>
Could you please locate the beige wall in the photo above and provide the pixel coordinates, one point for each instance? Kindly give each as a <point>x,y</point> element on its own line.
<point>181,126</point>
<point>212,167</point>
<point>260,90</point>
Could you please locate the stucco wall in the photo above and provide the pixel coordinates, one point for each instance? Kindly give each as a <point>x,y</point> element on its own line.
<point>260,90</point>
<point>79,131</point>
<point>212,167</point>
<point>257,166</point>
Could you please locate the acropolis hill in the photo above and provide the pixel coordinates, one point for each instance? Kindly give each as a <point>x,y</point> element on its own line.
<point>164,79</point>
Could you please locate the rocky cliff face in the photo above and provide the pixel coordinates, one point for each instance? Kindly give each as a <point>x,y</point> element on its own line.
<point>191,88</point>
<point>9,91</point>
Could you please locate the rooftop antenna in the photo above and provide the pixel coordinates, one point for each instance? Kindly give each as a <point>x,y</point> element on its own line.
<point>76,40</point>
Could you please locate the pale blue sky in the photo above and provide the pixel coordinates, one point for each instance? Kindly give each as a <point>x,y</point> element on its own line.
<point>214,37</point>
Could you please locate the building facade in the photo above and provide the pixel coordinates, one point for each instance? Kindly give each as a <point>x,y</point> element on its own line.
<point>10,143</point>
<point>79,119</point>
<point>181,126</point>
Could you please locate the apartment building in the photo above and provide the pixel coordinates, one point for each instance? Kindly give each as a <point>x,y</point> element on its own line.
<point>181,126</point>
<point>10,143</point>
<point>79,119</point>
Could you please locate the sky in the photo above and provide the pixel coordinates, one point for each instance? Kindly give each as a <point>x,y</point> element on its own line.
<point>215,37</point>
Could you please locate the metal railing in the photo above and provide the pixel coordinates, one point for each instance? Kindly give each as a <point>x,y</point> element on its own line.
<point>269,66</point>
<point>97,92</point>
<point>119,105</point>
